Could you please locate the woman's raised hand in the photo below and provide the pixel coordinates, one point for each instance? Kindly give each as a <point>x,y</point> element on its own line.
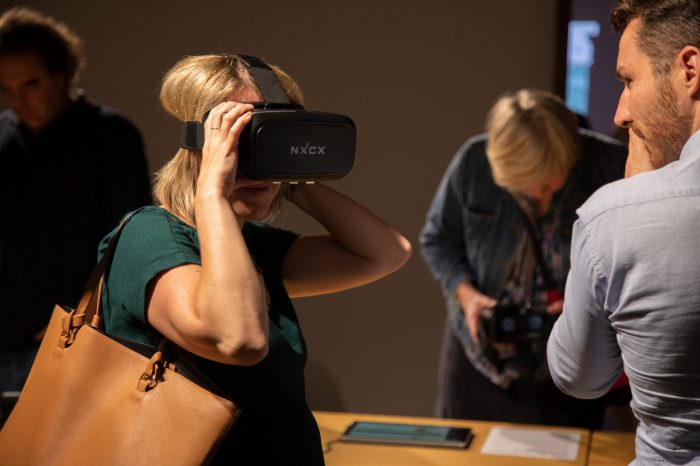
<point>222,129</point>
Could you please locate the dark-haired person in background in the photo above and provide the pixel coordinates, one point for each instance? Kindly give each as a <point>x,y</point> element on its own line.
<point>70,170</point>
<point>533,158</point>
<point>633,295</point>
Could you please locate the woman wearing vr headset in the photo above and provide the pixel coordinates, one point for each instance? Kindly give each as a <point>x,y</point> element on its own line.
<point>202,270</point>
<point>533,167</point>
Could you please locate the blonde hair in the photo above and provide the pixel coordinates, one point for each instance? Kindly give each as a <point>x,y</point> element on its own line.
<point>531,135</point>
<point>191,88</point>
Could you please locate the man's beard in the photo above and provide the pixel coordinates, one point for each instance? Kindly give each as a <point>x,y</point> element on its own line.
<point>668,130</point>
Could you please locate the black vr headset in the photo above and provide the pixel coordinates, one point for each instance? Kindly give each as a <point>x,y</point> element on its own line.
<point>283,142</point>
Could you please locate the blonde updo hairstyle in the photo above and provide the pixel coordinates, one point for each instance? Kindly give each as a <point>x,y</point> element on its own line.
<point>531,136</point>
<point>193,86</point>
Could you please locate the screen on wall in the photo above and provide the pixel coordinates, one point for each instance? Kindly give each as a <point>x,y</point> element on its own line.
<point>592,90</point>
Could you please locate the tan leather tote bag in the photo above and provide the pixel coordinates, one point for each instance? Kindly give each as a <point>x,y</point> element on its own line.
<point>91,399</point>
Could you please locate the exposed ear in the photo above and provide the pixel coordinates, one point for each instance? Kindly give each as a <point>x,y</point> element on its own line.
<point>689,58</point>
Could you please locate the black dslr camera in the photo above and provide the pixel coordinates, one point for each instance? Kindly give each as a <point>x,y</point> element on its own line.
<point>517,323</point>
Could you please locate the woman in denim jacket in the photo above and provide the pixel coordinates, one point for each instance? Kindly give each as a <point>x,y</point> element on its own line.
<point>535,163</point>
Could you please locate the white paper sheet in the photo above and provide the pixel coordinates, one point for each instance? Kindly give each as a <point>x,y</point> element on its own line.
<point>551,444</point>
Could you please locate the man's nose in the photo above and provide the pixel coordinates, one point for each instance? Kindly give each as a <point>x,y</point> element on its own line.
<point>623,119</point>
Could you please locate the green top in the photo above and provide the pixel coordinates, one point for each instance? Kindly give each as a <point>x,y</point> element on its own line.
<point>276,426</point>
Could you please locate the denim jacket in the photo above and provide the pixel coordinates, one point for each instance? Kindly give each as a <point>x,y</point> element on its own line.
<point>473,227</point>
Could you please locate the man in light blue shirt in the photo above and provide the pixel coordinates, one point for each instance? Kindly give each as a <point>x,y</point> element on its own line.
<point>633,295</point>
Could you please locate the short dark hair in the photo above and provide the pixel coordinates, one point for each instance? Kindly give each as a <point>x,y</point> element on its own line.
<point>666,26</point>
<point>23,30</point>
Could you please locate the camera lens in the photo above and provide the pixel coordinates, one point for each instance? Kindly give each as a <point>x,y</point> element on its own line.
<point>508,325</point>
<point>535,322</point>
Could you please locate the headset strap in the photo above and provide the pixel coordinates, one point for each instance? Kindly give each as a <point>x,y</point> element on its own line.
<point>266,80</point>
<point>192,132</point>
<point>192,135</point>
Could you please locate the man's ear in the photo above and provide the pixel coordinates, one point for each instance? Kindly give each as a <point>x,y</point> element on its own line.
<point>689,58</point>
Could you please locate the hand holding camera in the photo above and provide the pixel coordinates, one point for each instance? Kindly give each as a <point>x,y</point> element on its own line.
<point>473,304</point>
<point>556,307</point>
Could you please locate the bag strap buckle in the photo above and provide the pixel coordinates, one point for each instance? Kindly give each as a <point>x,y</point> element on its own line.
<point>153,373</point>
<point>71,324</point>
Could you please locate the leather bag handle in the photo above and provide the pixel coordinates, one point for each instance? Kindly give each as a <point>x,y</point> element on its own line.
<point>89,304</point>
<point>88,310</point>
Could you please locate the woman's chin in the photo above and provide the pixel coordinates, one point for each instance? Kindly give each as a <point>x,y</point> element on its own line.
<point>248,212</point>
<point>254,202</point>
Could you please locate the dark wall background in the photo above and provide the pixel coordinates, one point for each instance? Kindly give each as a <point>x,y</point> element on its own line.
<point>417,76</point>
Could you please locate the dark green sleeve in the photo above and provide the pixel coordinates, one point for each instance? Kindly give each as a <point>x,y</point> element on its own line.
<point>152,242</point>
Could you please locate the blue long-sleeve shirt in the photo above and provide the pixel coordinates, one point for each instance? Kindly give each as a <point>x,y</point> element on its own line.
<point>633,299</point>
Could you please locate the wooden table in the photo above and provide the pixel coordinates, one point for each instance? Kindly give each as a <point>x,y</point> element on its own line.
<point>333,424</point>
<point>611,449</point>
